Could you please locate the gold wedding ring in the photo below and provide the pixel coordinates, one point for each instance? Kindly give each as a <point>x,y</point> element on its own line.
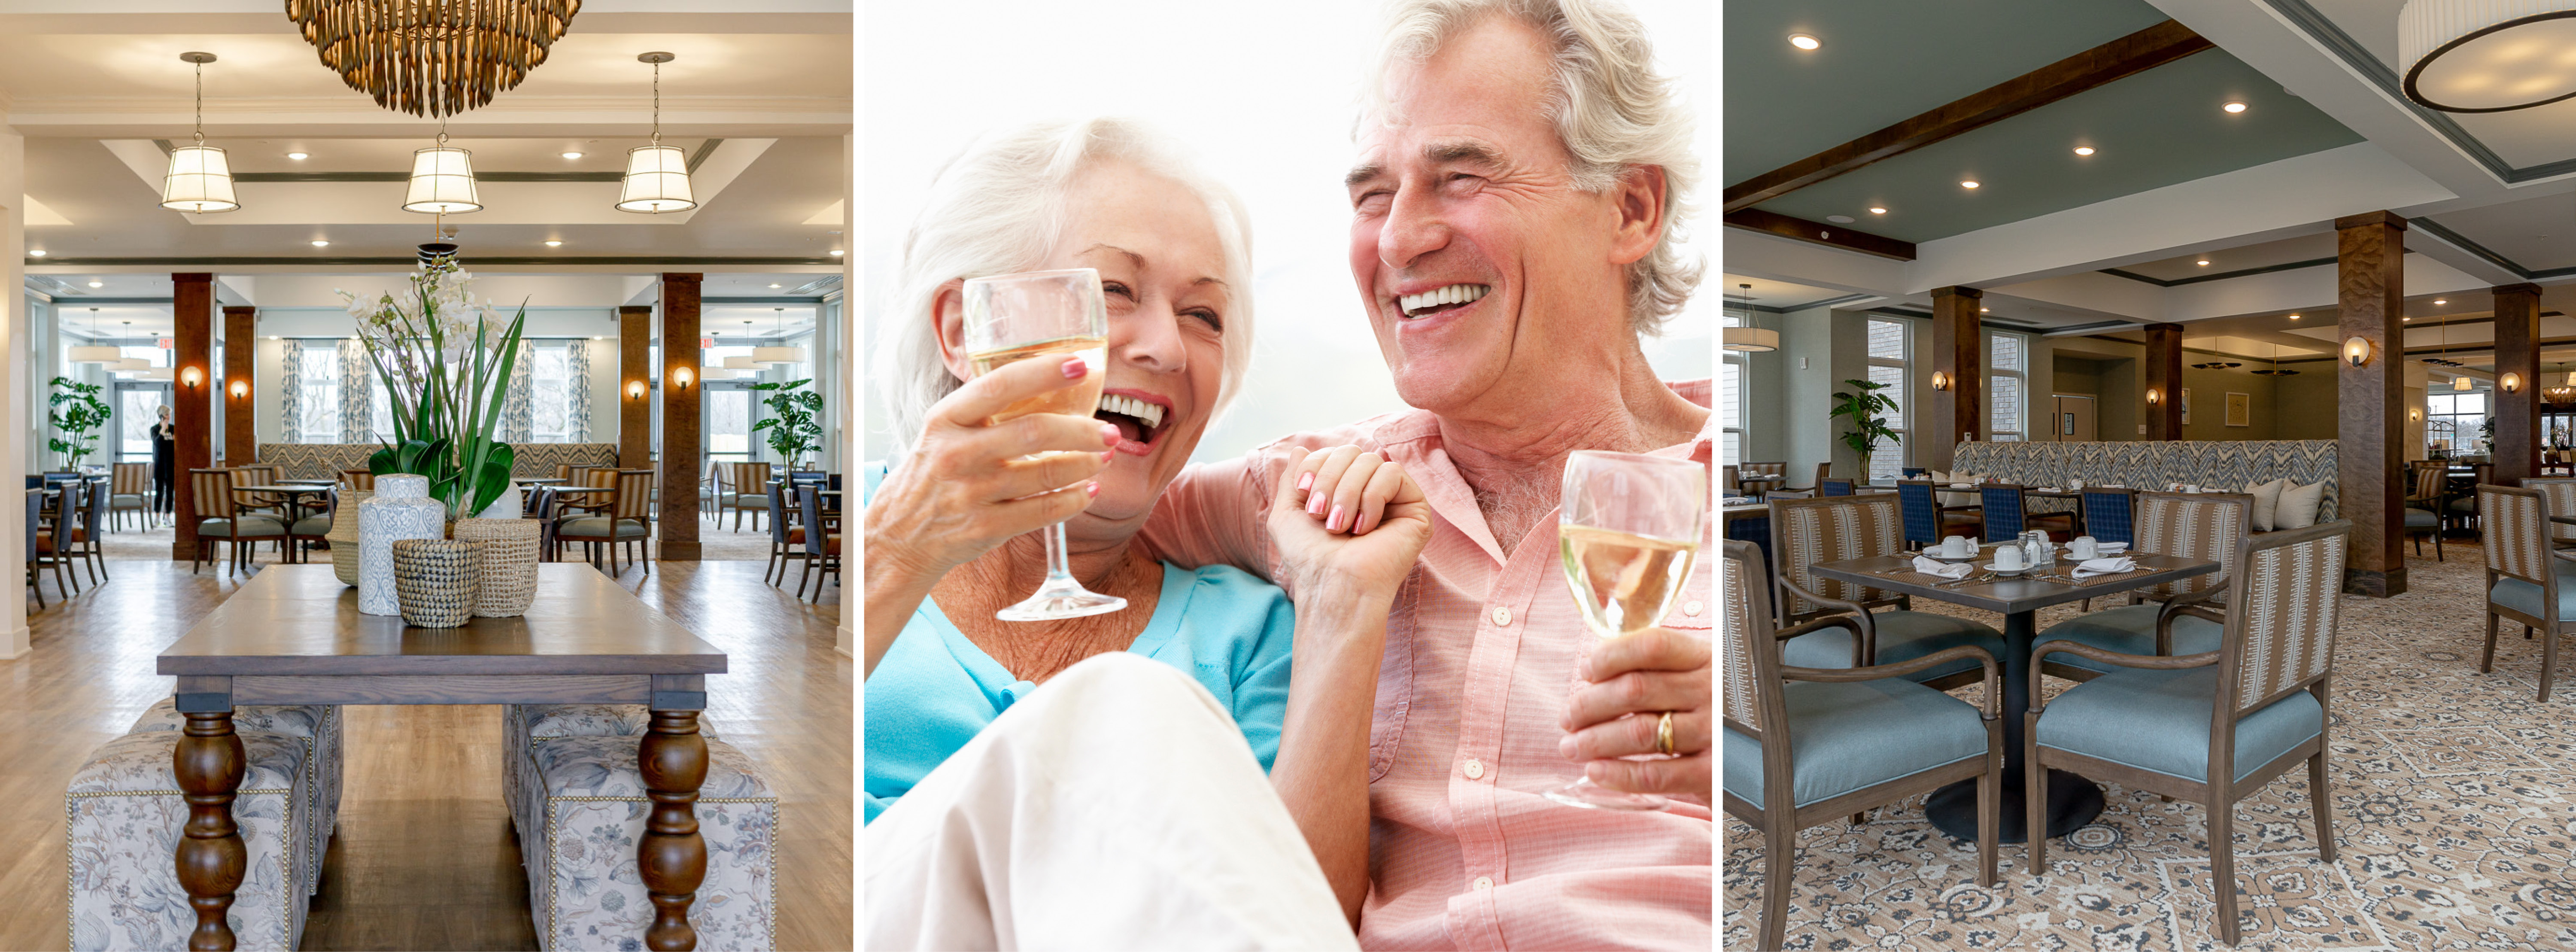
<point>1664,735</point>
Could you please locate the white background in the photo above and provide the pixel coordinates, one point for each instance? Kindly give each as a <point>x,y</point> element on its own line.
<point>1264,94</point>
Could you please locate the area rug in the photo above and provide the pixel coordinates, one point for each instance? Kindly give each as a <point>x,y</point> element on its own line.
<point>2454,799</point>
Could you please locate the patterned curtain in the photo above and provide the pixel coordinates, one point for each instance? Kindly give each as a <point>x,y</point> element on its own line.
<point>577,391</point>
<point>517,415</point>
<point>290,395</point>
<point>357,387</point>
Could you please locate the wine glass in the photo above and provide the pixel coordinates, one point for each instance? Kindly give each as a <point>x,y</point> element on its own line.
<point>1628,529</point>
<point>1044,314</point>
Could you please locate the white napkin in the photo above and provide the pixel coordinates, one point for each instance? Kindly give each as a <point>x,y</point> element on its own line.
<point>2111,548</point>
<point>1948,570</point>
<point>2110,566</point>
<point>1961,486</point>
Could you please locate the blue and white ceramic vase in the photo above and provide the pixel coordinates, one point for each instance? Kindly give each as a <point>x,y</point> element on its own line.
<point>400,509</point>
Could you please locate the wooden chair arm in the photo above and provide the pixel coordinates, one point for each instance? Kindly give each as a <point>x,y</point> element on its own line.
<point>1993,675</point>
<point>2107,656</point>
<point>2189,603</point>
<point>1865,647</point>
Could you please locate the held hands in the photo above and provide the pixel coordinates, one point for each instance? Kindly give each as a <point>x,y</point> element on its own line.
<point>1344,517</point>
<point>1647,672</point>
<point>967,487</point>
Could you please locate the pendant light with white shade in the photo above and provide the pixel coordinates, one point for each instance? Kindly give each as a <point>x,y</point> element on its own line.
<point>200,178</point>
<point>2487,55</point>
<point>442,179</point>
<point>657,175</point>
<point>778,356</point>
<point>94,353</point>
<point>1746,337</point>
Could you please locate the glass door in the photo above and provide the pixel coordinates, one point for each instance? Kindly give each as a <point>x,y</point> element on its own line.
<point>726,421</point>
<point>137,405</point>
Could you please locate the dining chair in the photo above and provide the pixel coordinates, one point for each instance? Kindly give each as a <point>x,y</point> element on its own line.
<point>1927,522</point>
<point>358,480</point>
<point>1833,487</point>
<point>1886,630</point>
<point>2560,493</point>
<point>59,514</point>
<point>786,536</point>
<point>2213,726</point>
<point>89,530</point>
<point>315,527</point>
<point>1805,745</point>
<point>1726,481</point>
<point>625,519</point>
<point>221,518</point>
<point>1823,470</point>
<point>2196,526</point>
<point>1914,472</point>
<point>2110,513</point>
<point>2463,507</point>
<point>750,484</point>
<point>129,488</point>
<point>2424,507</point>
<point>2007,514</point>
<point>35,559</point>
<point>2528,580</point>
<point>825,557</point>
<point>1762,477</point>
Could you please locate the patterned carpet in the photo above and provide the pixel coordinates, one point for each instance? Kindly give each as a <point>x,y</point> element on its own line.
<point>2454,811</point>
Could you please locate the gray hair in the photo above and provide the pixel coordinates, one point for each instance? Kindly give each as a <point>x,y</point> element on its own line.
<point>1612,111</point>
<point>998,208</point>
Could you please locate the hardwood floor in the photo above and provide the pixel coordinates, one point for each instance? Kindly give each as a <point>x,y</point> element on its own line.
<point>425,858</point>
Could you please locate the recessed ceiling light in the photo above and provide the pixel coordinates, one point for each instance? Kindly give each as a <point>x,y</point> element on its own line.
<point>836,252</point>
<point>1875,210</point>
<point>2084,150</point>
<point>320,243</point>
<point>773,285</point>
<point>1804,42</point>
<point>2234,107</point>
<point>572,155</point>
<point>2440,301</point>
<point>2204,262</point>
<point>298,156</point>
<point>36,253</point>
<point>1839,219</point>
<point>1971,183</point>
<point>1984,310</point>
<point>554,243</point>
<point>98,284</point>
<point>2294,317</point>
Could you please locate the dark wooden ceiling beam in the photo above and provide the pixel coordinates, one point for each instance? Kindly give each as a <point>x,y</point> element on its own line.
<point>2127,56</point>
<point>1833,236</point>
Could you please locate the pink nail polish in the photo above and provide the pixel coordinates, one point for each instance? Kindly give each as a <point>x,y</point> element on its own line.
<point>1339,519</point>
<point>1075,368</point>
<point>1106,454</point>
<point>1091,490</point>
<point>1315,504</point>
<point>1108,434</point>
<point>1305,481</point>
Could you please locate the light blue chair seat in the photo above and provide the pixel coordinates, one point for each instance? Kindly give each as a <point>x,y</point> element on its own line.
<point>1902,636</point>
<point>250,526</point>
<point>596,527</point>
<point>2159,721</point>
<point>2129,629</point>
<point>2524,597</point>
<point>1850,735</point>
<point>313,525</point>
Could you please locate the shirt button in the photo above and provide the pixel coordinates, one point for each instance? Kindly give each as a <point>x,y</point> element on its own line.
<point>1484,882</point>
<point>1502,616</point>
<point>1692,609</point>
<point>1475,769</point>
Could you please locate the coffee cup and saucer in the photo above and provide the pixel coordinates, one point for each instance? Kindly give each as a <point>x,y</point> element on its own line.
<point>1952,549</point>
<point>2008,562</point>
<point>2083,547</point>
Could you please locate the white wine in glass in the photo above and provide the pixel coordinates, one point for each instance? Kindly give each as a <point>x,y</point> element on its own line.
<point>1629,531</point>
<point>1015,317</point>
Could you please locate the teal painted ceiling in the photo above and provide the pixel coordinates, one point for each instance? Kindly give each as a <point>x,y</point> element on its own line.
<point>2156,128</point>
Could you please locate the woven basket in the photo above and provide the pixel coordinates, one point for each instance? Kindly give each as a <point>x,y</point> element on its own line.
<point>344,535</point>
<point>508,563</point>
<point>435,581</point>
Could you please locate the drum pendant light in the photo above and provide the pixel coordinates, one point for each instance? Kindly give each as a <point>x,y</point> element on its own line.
<point>2487,55</point>
<point>200,179</point>
<point>657,175</point>
<point>778,356</point>
<point>442,179</point>
<point>744,363</point>
<point>94,353</point>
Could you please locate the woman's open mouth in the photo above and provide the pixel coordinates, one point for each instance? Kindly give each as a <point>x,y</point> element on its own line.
<point>1139,421</point>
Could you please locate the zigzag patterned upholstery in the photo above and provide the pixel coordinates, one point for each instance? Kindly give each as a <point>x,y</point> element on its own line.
<point>2153,464</point>
<point>1832,528</point>
<point>328,460</point>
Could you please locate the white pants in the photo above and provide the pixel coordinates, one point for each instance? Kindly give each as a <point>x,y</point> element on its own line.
<point>1115,808</point>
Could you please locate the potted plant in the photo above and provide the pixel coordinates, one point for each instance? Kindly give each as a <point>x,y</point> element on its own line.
<point>1867,408</point>
<point>792,432</point>
<point>446,372</point>
<point>76,413</point>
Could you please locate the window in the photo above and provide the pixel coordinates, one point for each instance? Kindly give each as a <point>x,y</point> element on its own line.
<point>1887,352</point>
<point>317,409</point>
<point>550,391</point>
<point>1730,404</point>
<point>2007,363</point>
<point>2454,423</point>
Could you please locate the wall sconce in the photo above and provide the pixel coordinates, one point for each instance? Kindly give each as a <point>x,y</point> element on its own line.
<point>635,390</point>
<point>680,377</point>
<point>2512,383</point>
<point>2413,413</point>
<point>192,378</point>
<point>1941,381</point>
<point>2356,351</point>
<point>2154,396</point>
<point>240,389</point>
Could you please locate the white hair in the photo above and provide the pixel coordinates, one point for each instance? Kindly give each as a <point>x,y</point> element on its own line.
<point>999,208</point>
<point>1612,111</point>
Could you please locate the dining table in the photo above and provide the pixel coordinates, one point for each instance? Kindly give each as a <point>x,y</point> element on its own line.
<point>2073,801</point>
<point>294,493</point>
<point>294,635</point>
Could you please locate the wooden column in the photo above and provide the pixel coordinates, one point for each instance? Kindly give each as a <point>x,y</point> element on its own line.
<point>1959,356</point>
<point>2517,414</point>
<point>680,401</point>
<point>192,327</point>
<point>2164,381</point>
<point>634,387</point>
<point>2370,288</point>
<point>241,387</point>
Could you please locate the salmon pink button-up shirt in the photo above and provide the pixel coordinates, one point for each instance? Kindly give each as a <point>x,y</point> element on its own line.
<point>1464,851</point>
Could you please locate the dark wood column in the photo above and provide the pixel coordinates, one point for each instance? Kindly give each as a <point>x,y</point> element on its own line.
<point>2163,391</point>
<point>192,327</point>
<point>634,386</point>
<point>2517,414</point>
<point>2370,288</point>
<point>1959,356</point>
<point>241,386</point>
<point>680,400</point>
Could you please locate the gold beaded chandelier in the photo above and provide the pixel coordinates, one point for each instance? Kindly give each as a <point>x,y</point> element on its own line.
<point>432,57</point>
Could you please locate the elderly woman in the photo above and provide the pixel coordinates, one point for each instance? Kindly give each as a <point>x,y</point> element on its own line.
<point>1100,780</point>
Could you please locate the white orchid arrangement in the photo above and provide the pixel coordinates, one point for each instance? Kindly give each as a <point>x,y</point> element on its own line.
<point>446,374</point>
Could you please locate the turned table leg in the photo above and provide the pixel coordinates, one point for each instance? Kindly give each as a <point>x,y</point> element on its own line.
<point>671,855</point>
<point>209,763</point>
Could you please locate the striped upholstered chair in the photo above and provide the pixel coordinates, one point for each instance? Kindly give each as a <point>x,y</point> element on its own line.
<point>2256,704</point>
<point>2528,580</point>
<point>2155,622</point>
<point>2560,493</point>
<point>1804,745</point>
<point>1885,632</point>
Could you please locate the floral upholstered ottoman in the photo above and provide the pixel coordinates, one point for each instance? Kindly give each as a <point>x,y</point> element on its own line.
<point>318,726</point>
<point>124,813</point>
<point>580,846</point>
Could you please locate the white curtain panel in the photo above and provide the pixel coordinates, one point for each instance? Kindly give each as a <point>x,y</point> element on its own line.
<point>517,416</point>
<point>577,391</point>
<point>357,386</point>
<point>290,394</point>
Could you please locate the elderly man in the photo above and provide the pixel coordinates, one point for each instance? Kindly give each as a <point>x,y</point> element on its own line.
<point>1518,175</point>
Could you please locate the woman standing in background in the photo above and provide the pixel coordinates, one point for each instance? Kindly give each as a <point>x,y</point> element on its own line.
<point>164,447</point>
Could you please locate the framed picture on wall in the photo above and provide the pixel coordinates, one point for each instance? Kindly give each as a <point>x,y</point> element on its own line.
<point>2240,409</point>
<point>2186,406</point>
